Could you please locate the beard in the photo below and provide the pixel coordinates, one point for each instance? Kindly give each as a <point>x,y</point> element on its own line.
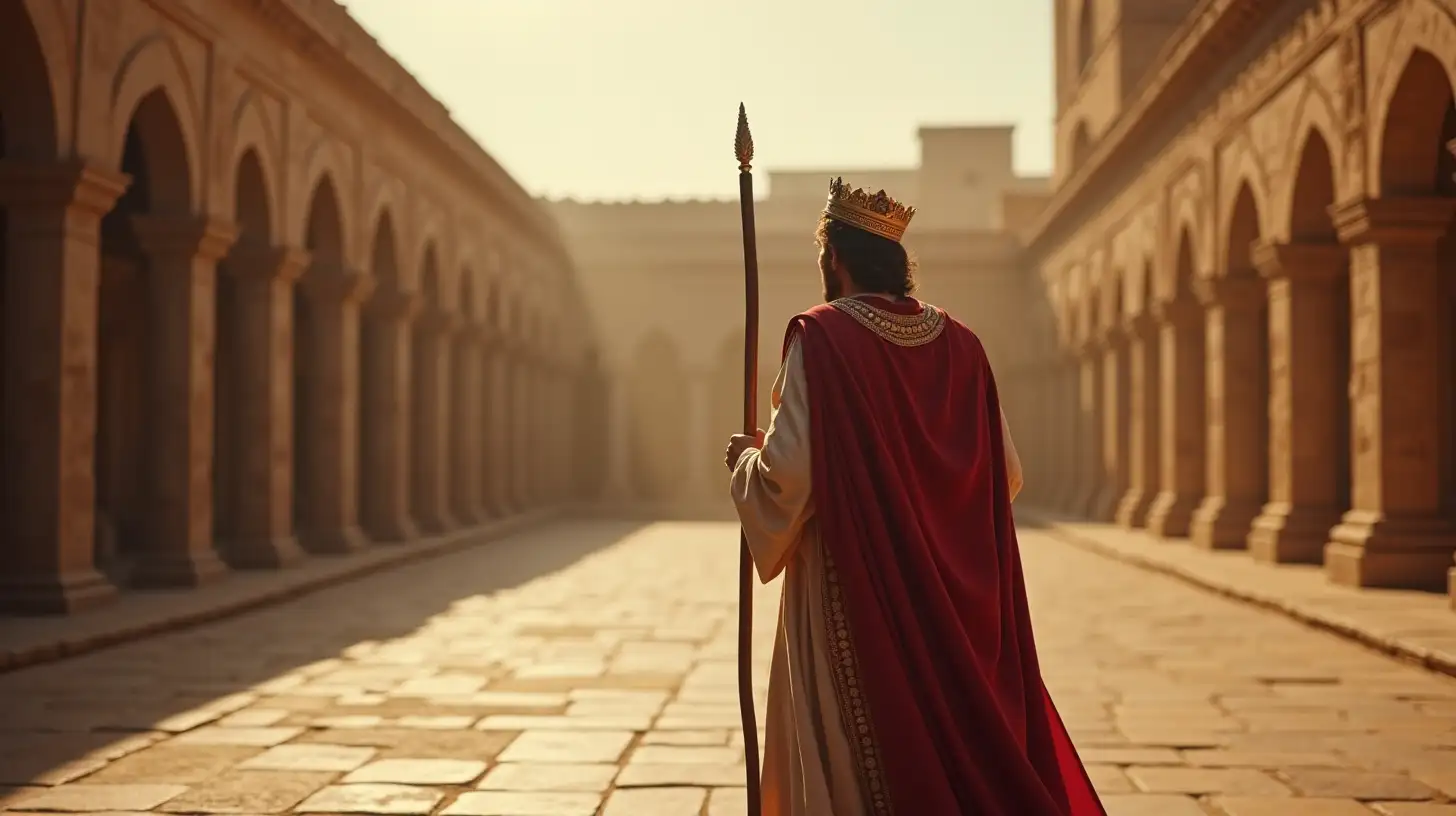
<point>832,288</point>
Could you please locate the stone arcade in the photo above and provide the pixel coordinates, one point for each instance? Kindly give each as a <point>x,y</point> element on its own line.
<point>1251,258</point>
<point>262,298</point>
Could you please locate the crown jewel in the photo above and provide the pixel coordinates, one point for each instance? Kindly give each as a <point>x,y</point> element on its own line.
<point>875,213</point>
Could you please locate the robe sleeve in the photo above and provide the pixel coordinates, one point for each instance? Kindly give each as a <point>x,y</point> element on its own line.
<point>1014,475</point>
<point>770,487</point>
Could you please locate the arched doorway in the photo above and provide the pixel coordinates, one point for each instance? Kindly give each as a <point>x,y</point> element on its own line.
<point>1182,405</point>
<point>154,155</point>
<point>1144,388</point>
<point>464,391</point>
<point>312,472</point>
<point>1309,371</point>
<point>658,431</point>
<point>252,213</point>
<point>1237,339</point>
<point>1116,387</point>
<point>429,412</point>
<point>384,373</point>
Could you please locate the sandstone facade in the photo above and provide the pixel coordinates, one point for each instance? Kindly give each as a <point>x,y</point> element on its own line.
<point>665,283</point>
<point>262,298</point>
<point>1251,261</point>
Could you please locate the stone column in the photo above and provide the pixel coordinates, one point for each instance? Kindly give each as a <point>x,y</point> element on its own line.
<point>1089,432</point>
<point>1395,533</point>
<point>1308,382</point>
<point>522,404</point>
<point>1069,463</point>
<point>262,497</point>
<point>1182,444</point>
<point>1238,411</point>
<point>434,330</point>
<point>182,254</point>
<point>467,446</point>
<point>1143,415</point>
<point>1114,475</point>
<point>386,456</point>
<point>47,564</point>
<point>328,513</point>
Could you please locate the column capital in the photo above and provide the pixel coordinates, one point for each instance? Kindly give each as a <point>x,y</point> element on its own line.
<point>336,283</point>
<point>389,302</point>
<point>1178,311</point>
<point>251,260</point>
<point>1305,261</point>
<point>1395,220</point>
<point>1237,292</point>
<point>203,237</point>
<point>72,183</point>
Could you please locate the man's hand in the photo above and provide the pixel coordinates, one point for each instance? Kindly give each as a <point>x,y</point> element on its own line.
<point>738,443</point>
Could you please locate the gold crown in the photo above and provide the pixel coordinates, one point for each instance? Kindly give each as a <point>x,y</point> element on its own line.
<point>875,213</point>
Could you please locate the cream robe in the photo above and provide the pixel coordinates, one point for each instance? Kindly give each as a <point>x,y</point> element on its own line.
<point>808,764</point>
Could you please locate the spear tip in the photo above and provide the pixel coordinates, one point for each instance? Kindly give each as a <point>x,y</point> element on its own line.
<point>743,141</point>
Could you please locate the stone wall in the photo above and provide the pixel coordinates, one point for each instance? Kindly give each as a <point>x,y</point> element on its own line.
<point>262,298</point>
<point>1252,277</point>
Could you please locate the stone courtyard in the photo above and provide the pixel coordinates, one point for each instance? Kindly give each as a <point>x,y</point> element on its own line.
<point>584,668</point>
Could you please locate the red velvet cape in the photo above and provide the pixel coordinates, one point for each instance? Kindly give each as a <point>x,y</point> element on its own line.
<point>931,638</point>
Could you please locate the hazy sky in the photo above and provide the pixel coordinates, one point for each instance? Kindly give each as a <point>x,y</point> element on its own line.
<point>637,98</point>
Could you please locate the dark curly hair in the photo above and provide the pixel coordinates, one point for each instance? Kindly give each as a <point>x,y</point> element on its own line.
<point>876,265</point>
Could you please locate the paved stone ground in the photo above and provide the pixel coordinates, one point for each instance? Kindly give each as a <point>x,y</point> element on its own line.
<point>588,668</point>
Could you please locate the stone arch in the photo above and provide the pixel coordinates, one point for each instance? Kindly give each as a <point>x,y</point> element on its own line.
<point>1244,192</point>
<point>29,114</point>
<point>429,402</point>
<point>383,450</point>
<point>324,169</point>
<point>1313,191</point>
<point>1086,44</point>
<point>156,158</point>
<point>323,232</point>
<point>658,434</point>
<point>1242,228</point>
<point>384,251</point>
<point>253,137</point>
<point>429,285</point>
<point>1184,268</point>
<point>152,82</point>
<point>252,205</point>
<point>1414,128</point>
<point>1313,118</point>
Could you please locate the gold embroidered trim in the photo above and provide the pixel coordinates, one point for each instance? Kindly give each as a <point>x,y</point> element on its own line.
<point>853,710</point>
<point>902,330</point>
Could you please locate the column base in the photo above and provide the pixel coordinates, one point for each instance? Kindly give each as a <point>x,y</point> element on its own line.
<point>263,553</point>
<point>1103,506</point>
<point>438,524</point>
<point>1369,550</point>
<point>1171,515</point>
<point>1223,524</point>
<point>335,542</point>
<point>54,594</point>
<point>394,531</point>
<point>168,570</point>
<point>1132,510</point>
<point>1285,534</point>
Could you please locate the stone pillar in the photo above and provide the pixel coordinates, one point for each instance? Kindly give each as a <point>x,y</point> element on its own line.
<point>262,496</point>
<point>47,564</point>
<point>386,456</point>
<point>1069,463</point>
<point>1182,444</point>
<point>182,254</point>
<point>465,425</point>
<point>328,513</point>
<point>1395,533</point>
<point>1143,421</point>
<point>1114,473</point>
<point>1308,382</point>
<point>520,424</point>
<point>434,330</point>
<point>1089,432</point>
<point>1238,410</point>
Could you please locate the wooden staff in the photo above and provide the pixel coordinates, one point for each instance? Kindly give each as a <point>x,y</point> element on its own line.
<point>743,147</point>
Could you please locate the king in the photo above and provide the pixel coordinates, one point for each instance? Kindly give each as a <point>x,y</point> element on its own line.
<point>905,676</point>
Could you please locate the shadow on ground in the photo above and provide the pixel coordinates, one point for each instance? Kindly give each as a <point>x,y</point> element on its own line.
<point>62,720</point>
